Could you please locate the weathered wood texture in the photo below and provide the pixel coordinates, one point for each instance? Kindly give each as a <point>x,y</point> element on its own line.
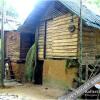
<point>60,42</point>
<point>41,40</point>
<point>88,46</point>
<point>12,45</point>
<point>18,70</point>
<point>97,42</point>
<point>17,45</point>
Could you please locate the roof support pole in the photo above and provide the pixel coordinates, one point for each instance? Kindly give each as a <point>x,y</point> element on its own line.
<point>81,50</point>
<point>2,47</point>
<point>45,39</point>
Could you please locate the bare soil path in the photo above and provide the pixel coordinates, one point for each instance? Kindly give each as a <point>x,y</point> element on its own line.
<point>30,92</point>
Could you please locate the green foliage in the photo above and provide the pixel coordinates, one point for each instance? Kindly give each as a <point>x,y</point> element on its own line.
<point>95,2</point>
<point>10,10</point>
<point>71,63</point>
<point>30,63</point>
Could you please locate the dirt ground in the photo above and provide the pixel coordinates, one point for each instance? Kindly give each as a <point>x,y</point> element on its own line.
<point>33,92</point>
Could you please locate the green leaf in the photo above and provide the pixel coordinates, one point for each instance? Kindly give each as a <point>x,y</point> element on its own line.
<point>30,63</point>
<point>71,63</point>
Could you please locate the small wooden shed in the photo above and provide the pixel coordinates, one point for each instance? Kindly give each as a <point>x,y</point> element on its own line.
<point>16,47</point>
<point>56,25</point>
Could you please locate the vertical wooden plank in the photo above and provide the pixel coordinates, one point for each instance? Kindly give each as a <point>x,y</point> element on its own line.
<point>49,38</point>
<point>41,40</point>
<point>45,39</point>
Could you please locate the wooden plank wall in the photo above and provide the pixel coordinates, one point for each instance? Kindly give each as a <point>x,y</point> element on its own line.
<point>89,46</point>
<point>18,44</point>
<point>64,42</point>
<point>60,43</point>
<point>41,40</point>
<point>49,39</point>
<point>97,42</point>
<point>13,45</point>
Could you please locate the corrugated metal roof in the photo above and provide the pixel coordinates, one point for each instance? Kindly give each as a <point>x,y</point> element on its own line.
<point>90,18</point>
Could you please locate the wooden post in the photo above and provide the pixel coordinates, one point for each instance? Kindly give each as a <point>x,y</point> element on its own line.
<point>2,47</point>
<point>45,39</point>
<point>81,42</point>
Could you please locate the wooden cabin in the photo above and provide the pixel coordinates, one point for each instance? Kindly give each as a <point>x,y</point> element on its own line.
<point>59,36</point>
<point>56,25</point>
<point>57,28</point>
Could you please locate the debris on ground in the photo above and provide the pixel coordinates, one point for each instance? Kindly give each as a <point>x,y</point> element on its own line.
<point>6,96</point>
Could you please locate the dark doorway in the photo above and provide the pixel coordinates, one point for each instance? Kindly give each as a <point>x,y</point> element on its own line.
<point>26,41</point>
<point>38,73</point>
